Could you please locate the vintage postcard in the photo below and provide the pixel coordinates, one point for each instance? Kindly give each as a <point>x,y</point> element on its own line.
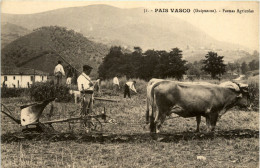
<point>129,83</point>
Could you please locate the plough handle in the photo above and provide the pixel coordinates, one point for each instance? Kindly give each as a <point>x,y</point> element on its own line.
<point>11,117</point>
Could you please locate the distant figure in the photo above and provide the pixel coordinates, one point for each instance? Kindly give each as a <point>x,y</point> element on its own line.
<point>59,72</point>
<point>4,84</point>
<point>69,77</point>
<point>116,85</point>
<point>128,86</point>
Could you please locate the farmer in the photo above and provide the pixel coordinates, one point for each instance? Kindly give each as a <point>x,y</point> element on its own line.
<point>4,84</point>
<point>116,83</point>
<point>59,72</point>
<point>69,76</point>
<point>128,86</point>
<point>85,86</point>
<point>84,81</point>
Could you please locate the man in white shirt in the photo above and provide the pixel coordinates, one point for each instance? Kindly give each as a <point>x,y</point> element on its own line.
<point>128,86</point>
<point>59,72</point>
<point>116,85</point>
<point>85,86</point>
<point>69,75</point>
<point>84,81</point>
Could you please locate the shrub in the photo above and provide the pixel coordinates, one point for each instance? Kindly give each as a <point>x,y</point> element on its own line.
<point>13,92</point>
<point>41,91</point>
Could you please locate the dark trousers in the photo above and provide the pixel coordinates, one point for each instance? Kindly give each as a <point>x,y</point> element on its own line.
<point>59,78</point>
<point>127,91</point>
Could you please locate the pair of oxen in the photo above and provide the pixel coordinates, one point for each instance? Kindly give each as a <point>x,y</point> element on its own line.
<point>192,99</point>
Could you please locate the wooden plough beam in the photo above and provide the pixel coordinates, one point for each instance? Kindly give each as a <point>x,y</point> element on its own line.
<point>104,99</point>
<point>103,116</point>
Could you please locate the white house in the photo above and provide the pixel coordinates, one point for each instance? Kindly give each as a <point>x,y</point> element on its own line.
<point>21,77</point>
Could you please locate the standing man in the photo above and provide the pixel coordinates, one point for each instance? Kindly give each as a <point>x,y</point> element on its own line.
<point>4,84</point>
<point>59,72</point>
<point>128,86</point>
<point>84,81</point>
<point>85,86</point>
<point>116,85</point>
<point>69,76</point>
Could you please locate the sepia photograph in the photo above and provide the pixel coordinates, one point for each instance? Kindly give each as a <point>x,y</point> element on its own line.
<point>129,84</point>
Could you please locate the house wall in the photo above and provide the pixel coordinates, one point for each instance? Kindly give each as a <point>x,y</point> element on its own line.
<point>40,78</point>
<point>21,81</point>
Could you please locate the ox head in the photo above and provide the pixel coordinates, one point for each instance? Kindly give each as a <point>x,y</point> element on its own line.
<point>243,97</point>
<point>242,92</point>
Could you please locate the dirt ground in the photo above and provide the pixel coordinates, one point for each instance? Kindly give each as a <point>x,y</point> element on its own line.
<point>125,140</point>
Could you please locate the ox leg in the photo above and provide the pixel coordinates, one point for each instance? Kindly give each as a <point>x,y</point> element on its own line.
<point>147,116</point>
<point>153,120</point>
<point>160,118</point>
<point>198,119</point>
<point>152,125</point>
<point>156,121</point>
<point>211,121</point>
<point>159,122</point>
<point>208,123</point>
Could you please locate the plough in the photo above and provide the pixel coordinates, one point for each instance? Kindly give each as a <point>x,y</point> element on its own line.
<point>31,114</point>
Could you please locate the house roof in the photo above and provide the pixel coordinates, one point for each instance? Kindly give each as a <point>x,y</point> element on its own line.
<point>5,70</point>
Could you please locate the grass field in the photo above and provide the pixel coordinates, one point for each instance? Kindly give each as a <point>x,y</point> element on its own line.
<point>126,142</point>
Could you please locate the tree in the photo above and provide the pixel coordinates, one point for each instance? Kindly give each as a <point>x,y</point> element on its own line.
<point>253,65</point>
<point>138,50</point>
<point>238,67</point>
<point>194,69</point>
<point>111,63</point>
<point>244,68</point>
<point>171,64</point>
<point>214,64</point>
<point>231,67</point>
<point>148,63</point>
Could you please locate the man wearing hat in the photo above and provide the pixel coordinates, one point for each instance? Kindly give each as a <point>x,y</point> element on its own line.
<point>86,88</point>
<point>59,72</point>
<point>84,81</point>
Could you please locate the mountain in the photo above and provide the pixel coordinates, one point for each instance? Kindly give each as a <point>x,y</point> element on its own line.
<point>131,27</point>
<point>42,48</point>
<point>11,32</point>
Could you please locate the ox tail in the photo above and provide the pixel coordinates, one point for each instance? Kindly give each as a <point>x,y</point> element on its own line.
<point>150,101</point>
<point>147,111</point>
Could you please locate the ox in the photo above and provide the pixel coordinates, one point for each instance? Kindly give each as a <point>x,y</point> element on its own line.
<point>192,99</point>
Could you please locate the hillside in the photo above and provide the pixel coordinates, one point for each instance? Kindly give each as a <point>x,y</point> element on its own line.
<point>41,49</point>
<point>249,58</point>
<point>131,27</point>
<point>11,32</point>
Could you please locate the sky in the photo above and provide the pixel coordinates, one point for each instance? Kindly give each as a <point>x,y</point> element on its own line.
<point>236,28</point>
